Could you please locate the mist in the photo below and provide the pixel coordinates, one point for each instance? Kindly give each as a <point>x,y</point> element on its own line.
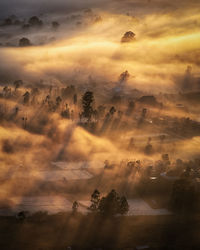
<point>99,121</point>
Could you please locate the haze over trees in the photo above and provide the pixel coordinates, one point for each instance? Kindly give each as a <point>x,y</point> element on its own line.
<point>99,124</point>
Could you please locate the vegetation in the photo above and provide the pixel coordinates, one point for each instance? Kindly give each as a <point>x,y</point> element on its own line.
<point>101,123</point>
<point>23,42</point>
<point>87,101</point>
<point>129,36</point>
<point>110,205</point>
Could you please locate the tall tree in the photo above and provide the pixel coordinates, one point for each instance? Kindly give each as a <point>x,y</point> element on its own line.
<point>95,199</point>
<point>26,97</point>
<point>87,101</point>
<point>123,205</point>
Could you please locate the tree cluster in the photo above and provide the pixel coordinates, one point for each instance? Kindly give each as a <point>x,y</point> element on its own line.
<point>110,205</point>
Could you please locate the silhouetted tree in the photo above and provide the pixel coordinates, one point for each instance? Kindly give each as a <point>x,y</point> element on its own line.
<point>144,113</point>
<point>143,116</point>
<point>24,42</point>
<point>129,36</point>
<point>109,205</point>
<point>187,84</point>
<point>95,199</point>
<point>35,21</point>
<point>58,101</point>
<point>26,97</point>
<point>112,110</point>
<point>124,76</point>
<point>75,99</point>
<point>149,147</point>
<point>16,111</point>
<point>123,205</point>
<point>21,216</point>
<point>6,91</point>
<point>113,204</point>
<point>165,159</point>
<point>87,101</point>
<point>75,207</point>
<point>24,121</point>
<point>55,25</point>
<point>17,84</point>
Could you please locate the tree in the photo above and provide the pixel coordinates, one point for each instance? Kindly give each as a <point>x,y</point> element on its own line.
<point>124,76</point>
<point>129,36</point>
<point>113,204</point>
<point>24,42</point>
<point>55,25</point>
<point>21,216</point>
<point>6,91</point>
<point>75,99</point>
<point>123,205</point>
<point>16,111</point>
<point>24,121</point>
<point>187,83</point>
<point>149,148</point>
<point>26,97</point>
<point>112,110</point>
<point>75,207</point>
<point>35,21</point>
<point>95,199</point>
<point>165,159</point>
<point>109,205</point>
<point>144,113</point>
<point>87,101</point>
<point>17,84</point>
<point>143,116</point>
<point>58,101</point>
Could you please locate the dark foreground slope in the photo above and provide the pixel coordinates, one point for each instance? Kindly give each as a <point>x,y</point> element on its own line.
<point>60,231</point>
